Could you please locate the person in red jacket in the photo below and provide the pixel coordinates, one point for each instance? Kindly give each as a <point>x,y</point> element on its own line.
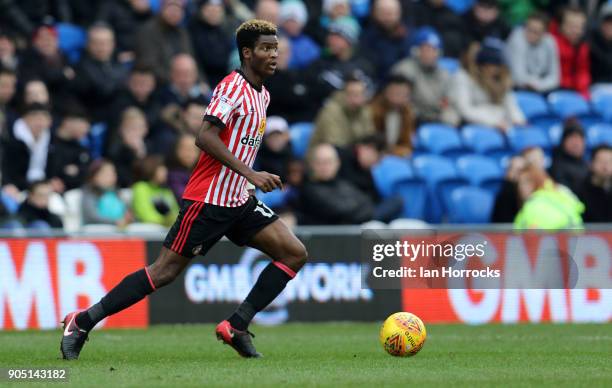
<point>573,50</point>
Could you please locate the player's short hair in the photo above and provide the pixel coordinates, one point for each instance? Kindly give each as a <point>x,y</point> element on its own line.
<point>249,31</point>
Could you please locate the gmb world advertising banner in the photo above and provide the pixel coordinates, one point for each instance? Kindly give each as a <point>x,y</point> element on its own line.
<point>41,280</point>
<point>520,278</point>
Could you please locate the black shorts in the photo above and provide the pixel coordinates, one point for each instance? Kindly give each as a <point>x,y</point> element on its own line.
<point>200,225</point>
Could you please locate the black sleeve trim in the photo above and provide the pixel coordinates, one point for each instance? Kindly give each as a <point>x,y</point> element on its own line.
<point>214,120</point>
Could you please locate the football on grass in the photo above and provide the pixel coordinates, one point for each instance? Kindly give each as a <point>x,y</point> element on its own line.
<point>403,334</point>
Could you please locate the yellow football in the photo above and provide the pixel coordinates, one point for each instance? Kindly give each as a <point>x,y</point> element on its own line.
<point>403,334</point>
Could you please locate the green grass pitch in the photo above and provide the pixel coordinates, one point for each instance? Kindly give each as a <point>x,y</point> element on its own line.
<point>330,354</point>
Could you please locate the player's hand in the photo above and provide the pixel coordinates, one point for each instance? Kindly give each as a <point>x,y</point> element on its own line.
<point>265,181</point>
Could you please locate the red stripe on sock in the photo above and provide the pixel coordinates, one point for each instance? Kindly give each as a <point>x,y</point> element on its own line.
<point>188,226</point>
<point>150,280</point>
<point>285,269</point>
<point>179,235</point>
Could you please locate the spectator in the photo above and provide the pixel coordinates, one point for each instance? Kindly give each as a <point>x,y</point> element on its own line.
<point>596,190</point>
<point>290,91</point>
<point>507,201</point>
<point>345,117</point>
<point>568,165</point>
<point>532,55</point>
<point>431,90</point>
<point>356,167</point>
<point>436,14</point>
<point>35,92</point>
<point>68,159</point>
<point>545,204</point>
<point>268,10</point>
<point>483,94</point>
<point>393,117</point>
<point>130,146</point>
<point>45,61</point>
<point>293,17</point>
<point>125,17</point>
<point>142,93</point>
<point>99,78</point>
<point>534,156</point>
<point>327,199</point>
<point>27,149</point>
<point>24,16</point>
<point>184,84</point>
<point>341,60</point>
<point>100,201</point>
<point>516,12</point>
<point>183,158</point>
<point>275,152</point>
<point>386,38</point>
<point>8,51</point>
<point>211,34</point>
<point>152,201</point>
<point>484,21</point>
<point>601,47</point>
<point>8,87</point>
<point>573,50</point>
<point>334,10</point>
<point>162,38</point>
<point>34,212</point>
<point>187,120</point>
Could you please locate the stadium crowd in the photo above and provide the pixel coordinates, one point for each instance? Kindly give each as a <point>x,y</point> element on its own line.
<point>104,98</point>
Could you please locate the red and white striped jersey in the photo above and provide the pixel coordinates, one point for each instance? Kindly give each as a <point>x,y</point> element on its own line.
<point>240,110</point>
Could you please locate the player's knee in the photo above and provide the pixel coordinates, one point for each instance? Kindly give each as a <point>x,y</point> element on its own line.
<point>297,255</point>
<point>163,274</point>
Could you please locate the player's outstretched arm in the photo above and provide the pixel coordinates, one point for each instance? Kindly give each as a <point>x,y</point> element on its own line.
<point>208,141</point>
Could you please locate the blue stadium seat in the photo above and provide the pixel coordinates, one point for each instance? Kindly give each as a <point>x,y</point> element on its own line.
<point>300,134</point>
<point>602,104</point>
<point>72,39</point>
<point>440,139</point>
<point>532,104</point>
<point>451,65</point>
<point>393,175</point>
<point>478,169</point>
<point>460,6</point>
<point>554,134</point>
<point>389,171</point>
<point>599,134</point>
<point>523,137</point>
<point>441,177</point>
<point>482,139</point>
<point>470,205</point>
<point>567,103</point>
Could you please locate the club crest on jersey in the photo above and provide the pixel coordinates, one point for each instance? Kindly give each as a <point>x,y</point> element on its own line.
<point>262,126</point>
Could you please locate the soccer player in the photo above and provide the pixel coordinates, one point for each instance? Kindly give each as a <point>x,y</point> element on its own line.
<point>216,203</point>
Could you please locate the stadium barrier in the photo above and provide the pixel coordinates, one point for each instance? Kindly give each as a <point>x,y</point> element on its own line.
<point>41,279</point>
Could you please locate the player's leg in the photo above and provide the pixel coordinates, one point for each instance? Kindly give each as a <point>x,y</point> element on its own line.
<point>173,257</point>
<point>131,290</point>
<point>260,228</point>
<point>288,254</point>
